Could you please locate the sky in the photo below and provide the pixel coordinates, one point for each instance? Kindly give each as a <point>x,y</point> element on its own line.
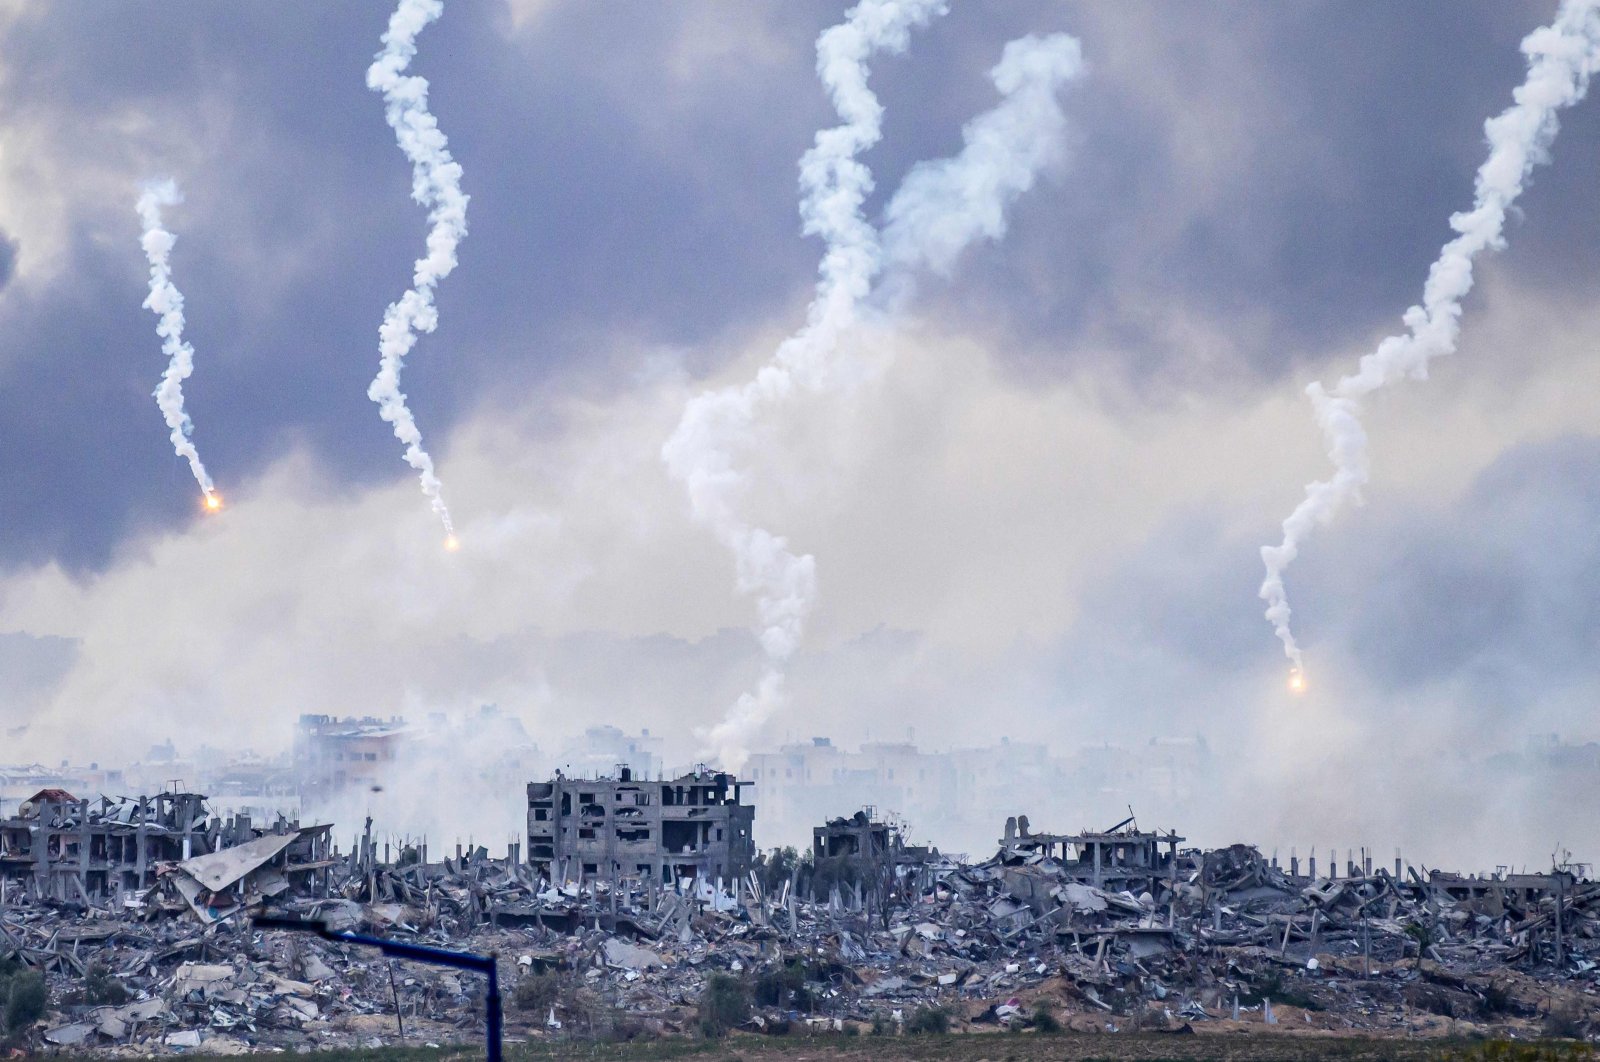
<point>1037,516</point>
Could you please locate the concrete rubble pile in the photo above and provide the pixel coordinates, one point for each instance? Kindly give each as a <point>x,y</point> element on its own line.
<point>1097,931</point>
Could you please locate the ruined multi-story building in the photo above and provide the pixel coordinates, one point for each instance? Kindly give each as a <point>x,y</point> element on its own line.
<point>1121,858</point>
<point>59,847</point>
<point>693,826</point>
<point>862,837</point>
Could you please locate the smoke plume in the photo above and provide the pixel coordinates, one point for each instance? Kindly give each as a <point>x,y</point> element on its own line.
<point>833,183</point>
<point>943,205</point>
<point>940,208</point>
<point>436,184</point>
<point>166,302</point>
<point>1561,58</point>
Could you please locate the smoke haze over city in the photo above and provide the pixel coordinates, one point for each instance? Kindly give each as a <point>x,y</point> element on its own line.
<point>1035,511</point>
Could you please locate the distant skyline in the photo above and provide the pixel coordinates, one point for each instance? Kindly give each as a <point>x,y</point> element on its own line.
<point>1040,518</point>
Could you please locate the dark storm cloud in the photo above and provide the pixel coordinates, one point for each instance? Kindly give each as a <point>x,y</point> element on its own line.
<point>632,172</point>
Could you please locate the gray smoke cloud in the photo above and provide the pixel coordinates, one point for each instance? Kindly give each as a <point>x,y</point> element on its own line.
<point>166,302</point>
<point>436,184</point>
<point>940,208</point>
<point>1561,58</point>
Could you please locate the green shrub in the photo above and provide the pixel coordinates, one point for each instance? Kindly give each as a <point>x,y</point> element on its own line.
<point>25,998</point>
<point>1511,1051</point>
<point>774,869</point>
<point>724,1005</point>
<point>784,987</point>
<point>882,1026</point>
<point>100,988</point>
<point>1285,993</point>
<point>1044,1018</point>
<point>932,1021</point>
<point>537,993</point>
<point>1565,1022</point>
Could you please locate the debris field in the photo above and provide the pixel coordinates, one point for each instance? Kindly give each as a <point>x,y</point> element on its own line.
<point>1111,931</point>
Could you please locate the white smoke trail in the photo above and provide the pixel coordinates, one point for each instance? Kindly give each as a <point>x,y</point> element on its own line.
<point>833,183</point>
<point>166,302</point>
<point>1561,58</point>
<point>436,184</point>
<point>942,207</point>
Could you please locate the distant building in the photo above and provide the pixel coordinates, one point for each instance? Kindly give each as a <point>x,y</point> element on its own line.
<point>334,755</point>
<point>251,785</point>
<point>965,793</point>
<point>807,782</point>
<point>600,749</point>
<point>694,826</point>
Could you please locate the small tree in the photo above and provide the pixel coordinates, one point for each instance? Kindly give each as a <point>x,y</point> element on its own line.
<point>537,992</point>
<point>773,869</point>
<point>1424,936</point>
<point>934,1021</point>
<point>724,1005</point>
<point>785,987</point>
<point>101,988</point>
<point>25,999</point>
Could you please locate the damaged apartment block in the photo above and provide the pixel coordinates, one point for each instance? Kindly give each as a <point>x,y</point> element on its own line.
<point>667,831</point>
<point>124,850</point>
<point>861,837</point>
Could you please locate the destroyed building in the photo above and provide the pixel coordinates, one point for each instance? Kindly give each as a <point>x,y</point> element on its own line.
<point>20,781</point>
<point>862,837</point>
<point>1121,859</point>
<point>334,755</point>
<point>692,827</point>
<point>60,848</point>
<point>1219,941</point>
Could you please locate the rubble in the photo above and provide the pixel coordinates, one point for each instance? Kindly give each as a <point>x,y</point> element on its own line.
<point>1097,931</point>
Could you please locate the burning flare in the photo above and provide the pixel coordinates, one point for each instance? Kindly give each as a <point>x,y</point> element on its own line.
<point>1561,58</point>
<point>1297,681</point>
<point>213,503</point>
<point>436,184</point>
